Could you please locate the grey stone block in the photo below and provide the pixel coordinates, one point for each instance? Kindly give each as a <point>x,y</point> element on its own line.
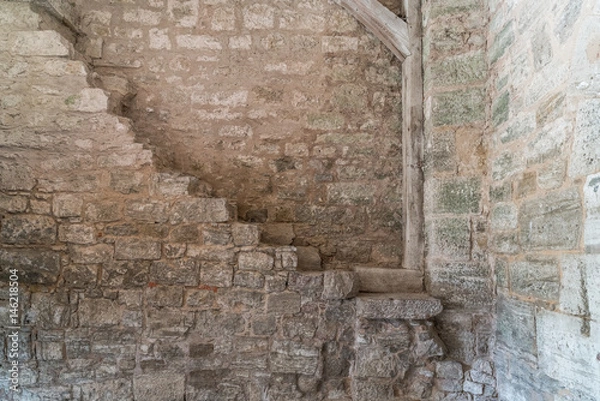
<point>245,234</point>
<point>201,210</point>
<point>397,306</point>
<point>159,387</point>
<point>585,154</point>
<point>28,229</point>
<point>216,274</point>
<point>35,266</point>
<point>383,280</point>
<point>255,261</point>
<point>552,222</point>
<point>538,278</point>
<point>39,43</point>
<point>135,248</point>
<point>294,357</point>
<point>92,253</point>
<point>339,284</point>
<point>99,312</point>
<point>67,205</point>
<point>149,211</point>
<point>459,107</point>
<point>283,303</point>
<point>77,234</point>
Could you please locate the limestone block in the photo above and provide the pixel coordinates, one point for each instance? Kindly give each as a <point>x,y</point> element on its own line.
<point>255,261</point>
<point>99,312</point>
<point>198,42</point>
<point>566,354</point>
<point>449,370</point>
<point>515,325</point>
<point>591,191</point>
<point>216,274</point>
<point>277,234</point>
<point>259,16</point>
<point>104,211</point>
<point>35,266</point>
<point>552,222</point>
<point>18,16</point>
<point>338,284</point>
<point>200,210</point>
<point>375,279</point>
<point>77,234</point>
<point>245,234</point>
<point>92,253</point>
<point>294,357</point>
<point>459,107</point>
<point>159,386</point>
<point>537,278</point>
<point>120,389</point>
<point>375,361</point>
<point>215,253</point>
<point>13,204</point>
<point>135,248</point>
<point>308,258</point>
<point>307,284</point>
<point>503,40</point>
<point>249,279</point>
<point>459,70</point>
<point>149,211</point>
<point>183,271</point>
<point>456,195</point>
<point>397,306</point>
<point>333,44</point>
<point>39,43</point>
<point>286,258</point>
<point>585,154</point>
<point>28,229</point>
<point>164,296</point>
<point>88,100</point>
<point>283,303</point>
<point>67,205</point>
<point>350,193</point>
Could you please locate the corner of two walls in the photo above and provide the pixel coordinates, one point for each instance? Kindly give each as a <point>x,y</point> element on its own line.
<point>544,220</point>
<point>455,151</point>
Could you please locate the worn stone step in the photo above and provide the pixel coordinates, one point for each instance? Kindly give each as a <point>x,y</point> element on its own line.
<point>17,16</point>
<point>36,43</point>
<point>397,306</point>
<point>386,280</point>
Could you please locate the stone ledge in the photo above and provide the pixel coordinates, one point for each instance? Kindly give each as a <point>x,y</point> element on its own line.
<point>397,306</point>
<point>387,280</point>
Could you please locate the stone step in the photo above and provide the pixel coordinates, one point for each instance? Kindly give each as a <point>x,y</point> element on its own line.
<point>17,16</point>
<point>386,280</point>
<point>397,306</point>
<point>36,43</point>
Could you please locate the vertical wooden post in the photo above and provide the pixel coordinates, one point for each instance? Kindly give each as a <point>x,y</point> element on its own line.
<point>412,141</point>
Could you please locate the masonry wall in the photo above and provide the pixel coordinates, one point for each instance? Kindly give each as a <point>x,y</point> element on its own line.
<point>456,116</point>
<point>543,164</point>
<point>289,108</point>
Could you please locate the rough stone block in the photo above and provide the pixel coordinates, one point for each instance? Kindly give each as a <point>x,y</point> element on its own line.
<point>293,357</point>
<point>383,280</point>
<point>537,278</point>
<point>18,16</point>
<point>180,271</point>
<point>172,185</point>
<point>449,370</point>
<point>503,40</point>
<point>370,389</point>
<point>460,284</point>
<point>214,253</point>
<point>35,266</point>
<point>151,211</point>
<point>459,70</point>
<point>39,43</point>
<point>283,303</point>
<point>500,109</point>
<point>28,229</point>
<point>245,234</point>
<point>591,191</point>
<point>255,261</point>
<point>103,211</point>
<point>338,284</point>
<point>121,389</point>
<point>457,196</point>
<point>277,234</point>
<point>350,193</point>
<point>397,306</point>
<point>567,355</point>
<point>99,312</point>
<point>459,107</point>
<point>259,16</point>
<point>135,248</point>
<point>309,258</point>
<point>13,204</point>
<point>77,234</point>
<point>552,222</point>
<point>334,44</point>
<point>164,296</point>
<point>88,100</point>
<point>216,274</point>
<point>504,216</point>
<point>67,205</point>
<point>201,210</point>
<point>585,154</point>
<point>307,284</point>
<point>516,323</point>
<point>375,361</point>
<point>249,279</point>
<point>159,387</point>
<point>198,42</point>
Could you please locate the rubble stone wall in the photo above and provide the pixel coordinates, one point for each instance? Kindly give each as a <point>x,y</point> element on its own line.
<point>544,167</point>
<point>289,108</point>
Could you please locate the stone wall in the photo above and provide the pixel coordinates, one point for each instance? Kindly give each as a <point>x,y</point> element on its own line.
<point>456,115</point>
<point>135,284</point>
<point>543,165</point>
<point>289,108</point>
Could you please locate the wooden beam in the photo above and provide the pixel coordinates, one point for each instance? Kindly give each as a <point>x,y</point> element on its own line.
<point>412,143</point>
<point>381,22</point>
